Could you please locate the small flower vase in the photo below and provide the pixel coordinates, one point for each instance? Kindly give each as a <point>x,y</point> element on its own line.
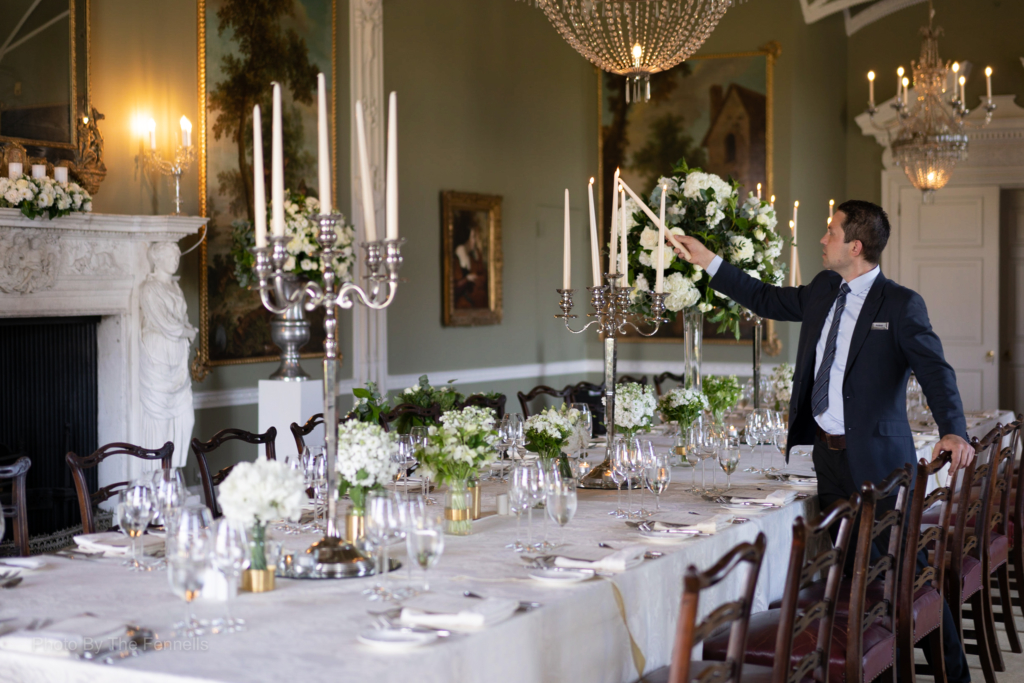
<point>355,527</point>
<point>458,508</point>
<point>258,578</point>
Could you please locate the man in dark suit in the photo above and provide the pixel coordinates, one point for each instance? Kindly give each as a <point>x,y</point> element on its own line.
<point>862,334</point>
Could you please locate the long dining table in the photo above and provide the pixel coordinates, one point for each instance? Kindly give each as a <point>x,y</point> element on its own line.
<point>607,629</point>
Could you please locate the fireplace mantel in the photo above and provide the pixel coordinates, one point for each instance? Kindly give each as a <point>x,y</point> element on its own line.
<point>90,264</point>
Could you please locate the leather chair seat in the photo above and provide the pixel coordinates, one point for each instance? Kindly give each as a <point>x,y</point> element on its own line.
<point>879,645</point>
<point>751,673</point>
<point>998,551</point>
<point>971,576</point>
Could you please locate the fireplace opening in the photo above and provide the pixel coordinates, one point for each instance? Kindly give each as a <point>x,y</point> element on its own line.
<point>48,386</point>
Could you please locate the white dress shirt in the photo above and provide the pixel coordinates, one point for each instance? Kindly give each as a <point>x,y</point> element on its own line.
<point>831,421</point>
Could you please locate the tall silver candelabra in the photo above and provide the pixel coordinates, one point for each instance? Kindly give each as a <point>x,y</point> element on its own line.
<point>183,158</point>
<point>611,319</point>
<point>278,292</point>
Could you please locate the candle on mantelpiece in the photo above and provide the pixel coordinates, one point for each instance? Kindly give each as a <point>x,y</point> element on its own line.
<point>151,127</point>
<point>391,183</point>
<point>796,220</point>
<point>759,190</point>
<point>871,89</point>
<point>595,250</point>
<point>963,82</point>
<point>792,228</point>
<point>659,286</point>
<point>186,131</point>
<point>259,192</point>
<point>276,167</point>
<point>60,174</point>
<point>988,82</point>
<point>906,86</point>
<point>14,170</point>
<point>956,75</point>
<point>831,207</point>
<point>369,219</point>
<point>772,202</point>
<point>623,234</point>
<point>899,84</point>
<point>613,251</point>
<point>323,154</point>
<point>38,170</point>
<point>566,248</point>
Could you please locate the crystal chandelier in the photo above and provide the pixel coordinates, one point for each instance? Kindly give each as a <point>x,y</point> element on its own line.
<point>931,137</point>
<point>635,38</point>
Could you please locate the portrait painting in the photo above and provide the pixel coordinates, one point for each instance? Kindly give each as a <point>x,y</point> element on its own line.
<point>243,55</point>
<point>471,259</point>
<point>714,112</point>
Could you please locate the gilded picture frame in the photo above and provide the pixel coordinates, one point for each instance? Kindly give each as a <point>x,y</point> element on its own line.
<point>471,259</point>
<point>726,77</point>
<point>209,174</point>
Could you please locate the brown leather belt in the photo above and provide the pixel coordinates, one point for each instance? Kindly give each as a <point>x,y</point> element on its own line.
<point>835,442</point>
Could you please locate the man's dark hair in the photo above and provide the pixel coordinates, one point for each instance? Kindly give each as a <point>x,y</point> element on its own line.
<point>868,223</point>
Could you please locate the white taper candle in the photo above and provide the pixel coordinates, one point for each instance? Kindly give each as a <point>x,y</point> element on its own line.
<point>623,234</point>
<point>366,182</point>
<point>613,249</point>
<point>566,248</point>
<point>259,191</point>
<point>277,168</point>
<point>595,249</point>
<point>391,184</point>
<point>323,150</point>
<point>659,279</point>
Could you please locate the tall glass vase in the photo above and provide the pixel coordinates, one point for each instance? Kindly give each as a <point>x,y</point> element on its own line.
<point>458,509</point>
<point>693,339</point>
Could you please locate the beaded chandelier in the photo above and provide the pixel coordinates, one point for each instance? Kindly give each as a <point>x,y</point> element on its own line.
<point>635,38</point>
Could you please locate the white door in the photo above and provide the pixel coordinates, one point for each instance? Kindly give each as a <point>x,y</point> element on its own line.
<point>949,254</point>
<point>1011,391</point>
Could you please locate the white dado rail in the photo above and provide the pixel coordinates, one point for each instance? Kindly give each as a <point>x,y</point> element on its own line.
<point>85,265</point>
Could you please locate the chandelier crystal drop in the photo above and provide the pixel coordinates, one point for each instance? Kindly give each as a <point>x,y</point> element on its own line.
<point>635,38</point>
<point>932,135</point>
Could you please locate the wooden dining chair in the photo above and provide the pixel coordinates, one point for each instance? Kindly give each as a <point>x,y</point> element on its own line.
<point>1017,526</point>
<point>78,465</point>
<point>203,448</point>
<point>497,404</point>
<point>922,575</point>
<point>593,395</point>
<point>630,379</point>
<point>663,377</point>
<point>793,642</point>
<point>17,511</point>
<point>734,614</point>
<point>565,394</point>
<point>300,432</point>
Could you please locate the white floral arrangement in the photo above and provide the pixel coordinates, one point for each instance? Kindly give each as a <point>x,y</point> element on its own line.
<point>549,432</point>
<point>364,460</point>
<point>44,197</point>
<point>683,406</point>
<point>465,441</point>
<point>634,408</point>
<point>300,226</point>
<point>782,385</point>
<point>256,493</point>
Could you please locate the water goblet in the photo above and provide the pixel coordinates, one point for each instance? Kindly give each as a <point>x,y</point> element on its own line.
<point>230,556</point>
<point>750,437</point>
<point>136,507</point>
<point>188,553</point>
<point>401,455</point>
<point>419,436</point>
<point>382,528</point>
<point>728,458</point>
<point>560,503</point>
<point>406,505</point>
<point>519,499</point>
<point>763,431</point>
<point>658,475</point>
<point>424,538</point>
<point>619,472</point>
<point>708,448</point>
<point>693,456</point>
<point>647,456</point>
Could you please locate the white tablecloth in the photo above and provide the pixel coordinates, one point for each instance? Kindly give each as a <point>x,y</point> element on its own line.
<point>306,630</point>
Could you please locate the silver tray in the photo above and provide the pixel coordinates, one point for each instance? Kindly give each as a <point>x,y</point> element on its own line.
<point>294,572</point>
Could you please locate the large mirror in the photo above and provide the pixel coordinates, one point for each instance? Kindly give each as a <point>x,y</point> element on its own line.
<point>44,77</point>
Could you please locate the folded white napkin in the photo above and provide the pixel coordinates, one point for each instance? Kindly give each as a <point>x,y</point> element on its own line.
<point>455,612</point>
<point>712,525</point>
<point>600,559</point>
<point>22,562</point>
<point>780,498</point>
<point>116,544</point>
<point>66,638</point>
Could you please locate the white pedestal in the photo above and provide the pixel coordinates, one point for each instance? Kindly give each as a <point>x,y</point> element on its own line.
<point>282,403</point>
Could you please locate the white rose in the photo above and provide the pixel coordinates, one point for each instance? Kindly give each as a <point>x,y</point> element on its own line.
<point>740,249</point>
<point>649,238</point>
<point>759,235</point>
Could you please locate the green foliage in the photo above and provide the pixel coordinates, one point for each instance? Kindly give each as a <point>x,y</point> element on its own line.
<point>722,393</point>
<point>369,403</point>
<point>425,395</point>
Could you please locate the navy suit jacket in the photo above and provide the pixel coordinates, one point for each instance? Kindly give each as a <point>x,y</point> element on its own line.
<point>878,436</point>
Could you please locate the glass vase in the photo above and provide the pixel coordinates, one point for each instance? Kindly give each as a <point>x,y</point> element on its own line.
<point>693,341</point>
<point>458,509</point>
<point>258,547</point>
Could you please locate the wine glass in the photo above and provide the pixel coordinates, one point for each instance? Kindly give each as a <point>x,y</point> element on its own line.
<point>619,472</point>
<point>750,436</point>
<point>170,493</point>
<point>729,458</point>
<point>708,448</point>
<point>539,479</point>
<point>658,475</point>
<point>763,431</point>
<point>519,499</point>
<point>424,538</point>
<point>406,505</point>
<point>400,456</point>
<point>781,436</point>
<point>647,455</point>
<point>188,553</point>
<point>382,528</point>
<point>230,556</point>
<point>778,427</point>
<point>561,502</point>
<point>419,436</point>
<point>135,509</point>
<point>693,436</point>
<point>586,422</point>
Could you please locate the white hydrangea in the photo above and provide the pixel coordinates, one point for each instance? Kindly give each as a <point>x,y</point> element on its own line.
<point>640,285</point>
<point>634,407</point>
<point>680,397</point>
<point>682,293</point>
<point>740,249</point>
<point>43,196</point>
<point>553,423</point>
<point>698,180</point>
<point>782,382</point>
<point>364,454</point>
<point>465,440</point>
<point>753,272</point>
<point>261,492</point>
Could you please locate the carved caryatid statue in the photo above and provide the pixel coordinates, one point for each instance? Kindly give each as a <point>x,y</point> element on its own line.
<point>165,385</point>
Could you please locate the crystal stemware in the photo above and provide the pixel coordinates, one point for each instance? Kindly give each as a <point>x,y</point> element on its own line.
<point>693,436</point>
<point>658,475</point>
<point>383,527</point>
<point>400,456</point>
<point>560,503</point>
<point>708,448</point>
<point>728,458</point>
<point>647,456</point>
<point>424,538</point>
<point>619,472</point>
<point>419,436</point>
<point>519,499</point>
<point>230,556</point>
<point>188,558</point>
<point>136,506</point>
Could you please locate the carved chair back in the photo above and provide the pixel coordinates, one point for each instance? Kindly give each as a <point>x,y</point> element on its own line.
<point>17,511</point>
<point>543,390</point>
<point>660,379</point>
<point>202,448</point>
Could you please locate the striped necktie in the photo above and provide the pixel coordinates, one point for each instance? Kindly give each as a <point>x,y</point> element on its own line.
<point>819,394</point>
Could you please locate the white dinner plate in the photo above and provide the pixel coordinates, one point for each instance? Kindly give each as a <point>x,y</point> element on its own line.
<point>668,536</point>
<point>751,509</point>
<point>396,639</point>
<point>561,577</point>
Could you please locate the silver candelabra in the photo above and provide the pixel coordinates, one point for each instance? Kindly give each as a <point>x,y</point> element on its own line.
<point>279,291</point>
<point>611,318</point>
<point>183,158</point>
